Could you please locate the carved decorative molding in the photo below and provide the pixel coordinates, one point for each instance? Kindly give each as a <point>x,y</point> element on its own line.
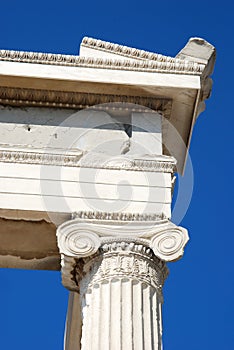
<point>178,66</point>
<point>126,260</point>
<point>74,159</point>
<point>130,52</point>
<point>121,259</point>
<point>31,157</point>
<point>153,165</point>
<point>103,216</point>
<point>78,100</point>
<point>165,164</point>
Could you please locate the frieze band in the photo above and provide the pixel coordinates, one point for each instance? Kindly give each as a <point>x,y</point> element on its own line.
<point>81,100</point>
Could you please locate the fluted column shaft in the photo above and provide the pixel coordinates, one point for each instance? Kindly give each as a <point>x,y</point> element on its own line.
<point>121,298</point>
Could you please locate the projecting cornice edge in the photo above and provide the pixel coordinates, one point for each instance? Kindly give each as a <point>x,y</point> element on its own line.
<point>176,67</point>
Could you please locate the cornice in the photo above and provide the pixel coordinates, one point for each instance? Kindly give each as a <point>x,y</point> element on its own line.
<point>134,53</point>
<point>175,67</point>
<point>78,100</point>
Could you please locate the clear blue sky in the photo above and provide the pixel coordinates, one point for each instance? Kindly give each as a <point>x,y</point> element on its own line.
<point>199,306</point>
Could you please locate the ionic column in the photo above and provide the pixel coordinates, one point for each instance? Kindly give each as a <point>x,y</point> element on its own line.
<point>118,270</point>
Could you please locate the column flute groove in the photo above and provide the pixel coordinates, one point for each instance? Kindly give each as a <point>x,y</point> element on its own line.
<point>117,296</point>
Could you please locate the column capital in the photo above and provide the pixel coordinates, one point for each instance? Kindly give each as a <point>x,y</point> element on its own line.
<point>89,235</point>
<point>82,237</point>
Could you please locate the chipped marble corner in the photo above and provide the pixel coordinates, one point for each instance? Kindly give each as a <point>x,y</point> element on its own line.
<point>200,51</point>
